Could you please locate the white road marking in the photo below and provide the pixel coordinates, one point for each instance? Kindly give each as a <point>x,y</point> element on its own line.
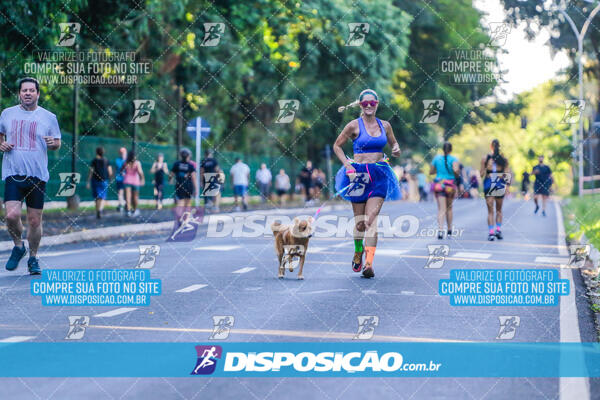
<point>552,260</point>
<point>408,293</point>
<point>478,256</point>
<point>390,252</point>
<point>369,291</point>
<point>217,248</point>
<point>576,388</point>
<point>117,311</point>
<point>325,291</point>
<point>127,251</point>
<point>62,253</point>
<point>317,249</point>
<point>16,339</point>
<point>253,289</point>
<point>343,244</point>
<point>191,288</point>
<point>243,270</point>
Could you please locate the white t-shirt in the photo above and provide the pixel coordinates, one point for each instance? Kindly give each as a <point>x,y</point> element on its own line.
<point>240,173</point>
<point>26,131</point>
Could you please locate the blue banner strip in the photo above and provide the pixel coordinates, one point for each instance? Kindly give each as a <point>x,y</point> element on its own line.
<point>296,359</point>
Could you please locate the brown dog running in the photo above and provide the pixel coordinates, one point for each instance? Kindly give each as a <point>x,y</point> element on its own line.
<point>292,241</point>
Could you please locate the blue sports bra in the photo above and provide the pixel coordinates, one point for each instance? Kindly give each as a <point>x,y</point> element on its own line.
<point>366,143</point>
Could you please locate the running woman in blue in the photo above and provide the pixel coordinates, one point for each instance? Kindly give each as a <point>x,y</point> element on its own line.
<point>367,180</point>
<point>495,171</point>
<point>446,169</point>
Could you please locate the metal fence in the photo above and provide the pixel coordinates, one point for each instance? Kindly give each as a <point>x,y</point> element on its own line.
<point>60,161</point>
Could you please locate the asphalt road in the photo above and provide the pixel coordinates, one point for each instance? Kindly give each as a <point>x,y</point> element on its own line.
<point>237,276</point>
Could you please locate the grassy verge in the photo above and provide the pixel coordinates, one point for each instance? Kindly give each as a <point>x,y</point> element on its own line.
<point>582,215</point>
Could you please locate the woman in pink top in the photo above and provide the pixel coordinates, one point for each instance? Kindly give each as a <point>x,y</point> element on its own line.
<point>133,178</point>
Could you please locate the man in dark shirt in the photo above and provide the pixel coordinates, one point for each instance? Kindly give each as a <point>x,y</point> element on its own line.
<point>306,180</point>
<point>209,166</point>
<point>543,182</point>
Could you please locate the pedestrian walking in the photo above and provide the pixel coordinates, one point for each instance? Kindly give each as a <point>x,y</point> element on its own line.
<point>159,169</point>
<point>98,178</point>
<point>263,182</point>
<point>240,176</point>
<point>133,179</point>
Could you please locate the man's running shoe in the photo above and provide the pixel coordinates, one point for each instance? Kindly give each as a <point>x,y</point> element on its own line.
<point>33,266</point>
<point>136,213</point>
<point>537,208</point>
<point>440,234</point>
<point>499,235</point>
<point>368,272</point>
<point>491,237</point>
<point>543,213</point>
<point>357,265</point>
<point>15,256</point>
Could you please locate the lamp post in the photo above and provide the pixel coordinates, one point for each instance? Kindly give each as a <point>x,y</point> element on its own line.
<point>580,35</point>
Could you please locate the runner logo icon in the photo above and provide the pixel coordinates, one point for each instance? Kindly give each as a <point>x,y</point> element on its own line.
<point>222,326</point>
<point>499,33</point>
<point>212,185</point>
<point>287,111</point>
<point>437,255</point>
<point>573,111</point>
<point>508,326</point>
<point>431,111</point>
<point>207,359</point>
<point>142,110</point>
<point>148,255</point>
<point>578,254</point>
<point>68,183</point>
<point>212,33</point>
<point>77,325</point>
<point>498,182</point>
<point>366,326</point>
<point>68,33</point>
<point>358,33</point>
<point>358,184</point>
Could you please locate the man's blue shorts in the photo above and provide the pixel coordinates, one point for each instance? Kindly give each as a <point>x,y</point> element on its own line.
<point>99,189</point>
<point>240,190</point>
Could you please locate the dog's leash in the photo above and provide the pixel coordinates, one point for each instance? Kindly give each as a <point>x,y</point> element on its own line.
<point>334,196</point>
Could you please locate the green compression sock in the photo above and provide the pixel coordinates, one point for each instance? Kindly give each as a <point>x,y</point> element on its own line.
<point>358,245</point>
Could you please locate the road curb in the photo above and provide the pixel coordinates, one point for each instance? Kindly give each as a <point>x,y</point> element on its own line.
<point>116,231</point>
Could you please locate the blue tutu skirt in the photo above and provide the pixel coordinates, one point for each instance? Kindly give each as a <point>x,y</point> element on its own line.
<point>372,180</point>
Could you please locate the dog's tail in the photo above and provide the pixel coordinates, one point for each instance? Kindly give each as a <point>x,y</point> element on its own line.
<point>276,226</point>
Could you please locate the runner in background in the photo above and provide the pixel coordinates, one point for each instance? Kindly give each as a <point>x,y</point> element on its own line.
<point>240,177</point>
<point>263,181</point>
<point>159,169</point>
<point>209,165</point>
<point>184,173</point>
<point>133,179</point>
<point>445,169</point>
<point>119,161</point>
<point>525,182</point>
<point>494,166</point>
<point>307,182</point>
<point>27,132</point>
<point>543,183</point>
<point>98,178</point>
<point>282,185</point>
